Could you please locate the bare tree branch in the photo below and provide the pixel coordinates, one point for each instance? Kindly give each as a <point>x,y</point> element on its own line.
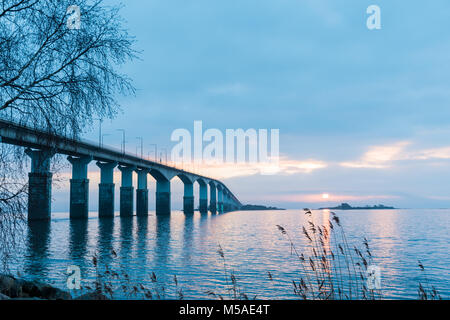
<point>48,68</point>
<point>55,78</point>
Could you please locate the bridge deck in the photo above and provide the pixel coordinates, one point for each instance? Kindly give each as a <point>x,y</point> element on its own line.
<point>12,133</point>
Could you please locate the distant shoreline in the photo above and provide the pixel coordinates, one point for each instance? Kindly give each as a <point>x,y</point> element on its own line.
<point>346,206</point>
<point>253,207</point>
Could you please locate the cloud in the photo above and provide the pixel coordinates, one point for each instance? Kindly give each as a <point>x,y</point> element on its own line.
<point>294,166</point>
<point>436,153</point>
<point>326,12</point>
<point>379,156</point>
<point>285,166</point>
<point>317,197</point>
<point>440,198</point>
<point>227,89</point>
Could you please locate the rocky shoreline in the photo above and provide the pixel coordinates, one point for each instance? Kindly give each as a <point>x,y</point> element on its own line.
<point>12,288</point>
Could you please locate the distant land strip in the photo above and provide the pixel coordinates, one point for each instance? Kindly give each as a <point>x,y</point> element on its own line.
<point>254,207</point>
<point>346,206</point>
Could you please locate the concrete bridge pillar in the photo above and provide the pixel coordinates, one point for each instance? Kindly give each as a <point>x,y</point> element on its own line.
<point>142,193</point>
<point>230,203</point>
<point>188,198</point>
<point>127,191</point>
<point>232,206</point>
<point>106,189</point>
<point>226,202</point>
<point>203,208</point>
<point>39,185</point>
<point>220,200</point>
<point>162,197</point>
<point>213,198</point>
<point>79,187</point>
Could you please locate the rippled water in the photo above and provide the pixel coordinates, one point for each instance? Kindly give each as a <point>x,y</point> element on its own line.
<point>186,246</point>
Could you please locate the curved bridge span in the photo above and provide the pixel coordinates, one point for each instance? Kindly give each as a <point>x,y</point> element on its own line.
<point>42,146</point>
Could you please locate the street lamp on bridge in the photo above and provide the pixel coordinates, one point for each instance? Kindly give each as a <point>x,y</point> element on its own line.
<point>156,151</point>
<point>165,151</point>
<point>100,121</point>
<point>103,139</point>
<point>142,146</point>
<point>123,139</point>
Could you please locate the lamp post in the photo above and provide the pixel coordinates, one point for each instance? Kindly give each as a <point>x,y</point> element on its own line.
<point>142,146</point>
<point>156,151</point>
<point>165,151</point>
<point>103,139</point>
<point>123,139</point>
<point>100,121</point>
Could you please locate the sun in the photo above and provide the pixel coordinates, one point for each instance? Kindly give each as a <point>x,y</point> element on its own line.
<point>325,196</point>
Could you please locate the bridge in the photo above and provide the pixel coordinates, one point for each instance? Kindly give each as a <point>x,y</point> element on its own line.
<point>41,146</point>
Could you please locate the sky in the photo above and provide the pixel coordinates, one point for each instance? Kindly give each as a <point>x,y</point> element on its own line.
<point>364,115</point>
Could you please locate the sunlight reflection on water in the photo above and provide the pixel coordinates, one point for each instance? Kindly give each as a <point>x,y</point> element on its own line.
<point>186,246</point>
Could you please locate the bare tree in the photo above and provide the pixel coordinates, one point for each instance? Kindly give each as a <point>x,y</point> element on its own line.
<point>56,76</point>
<point>13,194</point>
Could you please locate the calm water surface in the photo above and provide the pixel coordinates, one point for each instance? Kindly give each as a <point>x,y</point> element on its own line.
<point>186,246</point>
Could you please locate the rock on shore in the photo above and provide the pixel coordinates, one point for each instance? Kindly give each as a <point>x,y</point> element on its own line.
<point>3,297</point>
<point>13,288</point>
<point>92,296</point>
